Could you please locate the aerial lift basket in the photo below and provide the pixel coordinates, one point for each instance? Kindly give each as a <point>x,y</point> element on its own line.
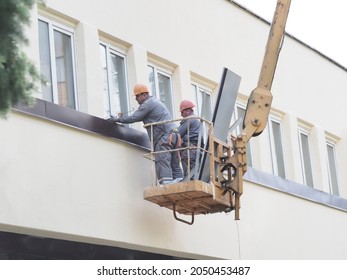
<point>194,197</point>
<point>228,162</point>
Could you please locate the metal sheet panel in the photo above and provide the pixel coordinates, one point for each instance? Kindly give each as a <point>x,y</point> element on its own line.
<point>223,110</point>
<point>86,122</point>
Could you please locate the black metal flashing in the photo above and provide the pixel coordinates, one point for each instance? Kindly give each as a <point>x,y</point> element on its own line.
<point>14,246</point>
<point>83,121</point>
<point>277,183</point>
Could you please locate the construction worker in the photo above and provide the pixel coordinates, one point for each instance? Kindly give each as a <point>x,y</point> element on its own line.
<point>189,130</point>
<point>165,136</point>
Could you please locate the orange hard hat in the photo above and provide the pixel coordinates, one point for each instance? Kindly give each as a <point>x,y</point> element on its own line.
<point>140,88</point>
<point>186,104</point>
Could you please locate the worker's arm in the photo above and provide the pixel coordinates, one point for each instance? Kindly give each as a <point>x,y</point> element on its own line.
<point>137,116</point>
<point>182,129</point>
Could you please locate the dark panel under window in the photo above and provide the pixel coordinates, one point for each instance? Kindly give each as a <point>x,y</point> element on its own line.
<point>14,246</point>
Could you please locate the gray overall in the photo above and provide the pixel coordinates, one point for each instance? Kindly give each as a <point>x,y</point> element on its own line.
<point>167,165</point>
<point>189,130</point>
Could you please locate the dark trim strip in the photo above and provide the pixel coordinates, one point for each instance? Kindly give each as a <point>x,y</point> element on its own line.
<point>83,121</point>
<point>15,246</point>
<point>277,183</point>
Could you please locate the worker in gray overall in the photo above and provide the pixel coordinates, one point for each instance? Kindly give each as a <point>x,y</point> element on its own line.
<point>189,130</point>
<point>165,136</point>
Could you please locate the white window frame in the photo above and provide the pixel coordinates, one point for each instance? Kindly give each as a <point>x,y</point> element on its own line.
<point>199,90</point>
<point>274,157</point>
<point>158,70</point>
<point>249,143</point>
<point>52,26</point>
<point>307,175</point>
<point>333,189</point>
<point>110,49</point>
<point>239,129</point>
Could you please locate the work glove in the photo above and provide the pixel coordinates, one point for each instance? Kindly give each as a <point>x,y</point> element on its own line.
<point>113,119</point>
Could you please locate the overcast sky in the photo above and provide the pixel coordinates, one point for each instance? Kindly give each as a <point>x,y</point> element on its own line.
<point>321,24</point>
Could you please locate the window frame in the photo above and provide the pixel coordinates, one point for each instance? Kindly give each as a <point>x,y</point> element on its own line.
<point>236,116</point>
<point>110,49</point>
<point>52,27</point>
<point>307,175</point>
<point>199,89</point>
<point>158,70</point>
<point>274,157</point>
<point>335,190</point>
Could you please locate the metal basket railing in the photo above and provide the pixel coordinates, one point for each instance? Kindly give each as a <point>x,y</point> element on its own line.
<point>205,133</point>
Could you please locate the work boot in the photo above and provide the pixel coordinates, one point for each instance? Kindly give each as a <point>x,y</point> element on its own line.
<point>168,182</point>
<point>177,180</point>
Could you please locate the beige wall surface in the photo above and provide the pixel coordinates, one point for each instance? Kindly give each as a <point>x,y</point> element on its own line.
<point>61,182</point>
<point>65,183</point>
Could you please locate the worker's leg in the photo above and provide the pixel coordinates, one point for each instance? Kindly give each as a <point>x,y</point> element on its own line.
<point>163,160</point>
<point>175,158</point>
<point>191,159</point>
<point>184,161</point>
<point>175,165</point>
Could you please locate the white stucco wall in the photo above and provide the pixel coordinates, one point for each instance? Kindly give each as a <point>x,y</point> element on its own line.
<point>61,182</point>
<point>56,181</point>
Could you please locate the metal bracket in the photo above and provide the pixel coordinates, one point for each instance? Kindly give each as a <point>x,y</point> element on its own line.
<point>181,220</point>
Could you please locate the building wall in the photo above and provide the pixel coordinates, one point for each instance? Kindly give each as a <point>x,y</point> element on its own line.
<point>80,186</point>
<point>59,181</point>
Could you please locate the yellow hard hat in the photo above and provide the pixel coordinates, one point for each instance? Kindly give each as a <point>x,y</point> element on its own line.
<point>186,104</point>
<point>140,88</point>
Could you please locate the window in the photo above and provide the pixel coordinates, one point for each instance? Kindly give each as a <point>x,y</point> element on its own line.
<point>305,158</point>
<point>115,82</point>
<point>332,170</point>
<point>240,113</point>
<point>203,102</point>
<point>57,64</point>
<point>161,87</point>
<point>277,153</point>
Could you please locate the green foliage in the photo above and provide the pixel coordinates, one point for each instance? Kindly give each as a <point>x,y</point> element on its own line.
<point>18,76</point>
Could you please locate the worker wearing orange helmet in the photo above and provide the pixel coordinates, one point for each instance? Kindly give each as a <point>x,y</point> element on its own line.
<point>189,130</point>
<point>165,136</point>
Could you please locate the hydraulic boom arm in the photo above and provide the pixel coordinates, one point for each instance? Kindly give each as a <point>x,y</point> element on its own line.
<point>259,102</point>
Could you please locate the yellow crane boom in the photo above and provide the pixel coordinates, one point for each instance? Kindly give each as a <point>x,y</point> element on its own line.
<point>259,102</point>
